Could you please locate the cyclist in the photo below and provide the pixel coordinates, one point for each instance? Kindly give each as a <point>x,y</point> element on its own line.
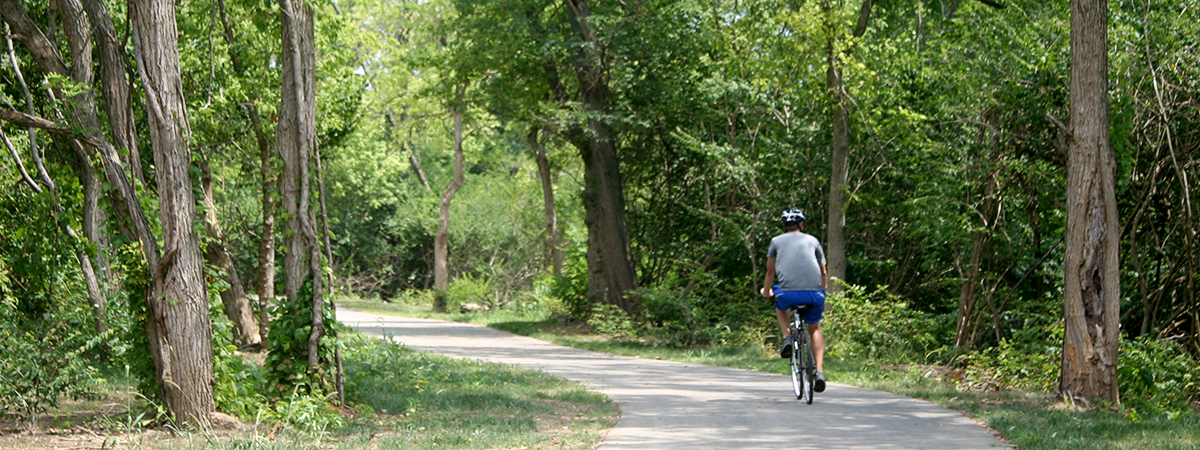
<point>800,263</point>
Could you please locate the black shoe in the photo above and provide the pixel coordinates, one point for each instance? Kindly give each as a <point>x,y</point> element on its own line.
<point>819,384</point>
<point>787,348</point>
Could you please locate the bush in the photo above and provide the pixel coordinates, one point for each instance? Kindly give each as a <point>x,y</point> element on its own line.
<point>469,289</point>
<point>880,326</point>
<point>611,320</point>
<point>571,288</point>
<point>1156,375</point>
<point>1011,365</point>
<point>676,321</point>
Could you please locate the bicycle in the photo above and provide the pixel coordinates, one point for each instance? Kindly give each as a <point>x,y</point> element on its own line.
<point>804,365</point>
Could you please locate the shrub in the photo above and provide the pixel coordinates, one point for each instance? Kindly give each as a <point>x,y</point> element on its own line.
<point>671,319</point>
<point>1157,376</point>
<point>468,289</point>
<point>611,320</point>
<point>1012,365</point>
<point>879,326</point>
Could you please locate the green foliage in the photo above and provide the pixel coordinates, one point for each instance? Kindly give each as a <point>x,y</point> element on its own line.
<point>1010,366</point>
<point>570,287</point>
<point>876,325</point>
<point>469,289</point>
<point>674,320</point>
<point>610,320</point>
<point>287,361</point>
<point>1156,377</point>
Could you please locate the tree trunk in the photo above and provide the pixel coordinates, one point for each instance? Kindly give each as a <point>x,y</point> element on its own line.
<point>964,335</point>
<point>265,285</point>
<point>162,325</point>
<point>296,138</point>
<point>835,239</point>
<point>553,255</point>
<point>233,299</point>
<point>183,300</point>
<point>441,241</point>
<point>115,87</point>
<point>266,238</point>
<point>610,260</point>
<point>1091,264</point>
<point>93,231</point>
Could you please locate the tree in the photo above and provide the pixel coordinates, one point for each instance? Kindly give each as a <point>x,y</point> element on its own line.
<point>1091,265</point>
<point>610,261</point>
<point>835,240</point>
<point>296,139</point>
<point>441,241</point>
<point>186,362</point>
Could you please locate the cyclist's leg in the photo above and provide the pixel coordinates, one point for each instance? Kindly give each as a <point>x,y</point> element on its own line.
<point>818,344</point>
<point>784,320</point>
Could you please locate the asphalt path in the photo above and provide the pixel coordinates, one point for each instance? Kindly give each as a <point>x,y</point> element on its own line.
<point>669,405</point>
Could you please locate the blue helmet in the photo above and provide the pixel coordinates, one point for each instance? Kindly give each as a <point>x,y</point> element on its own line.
<point>792,216</point>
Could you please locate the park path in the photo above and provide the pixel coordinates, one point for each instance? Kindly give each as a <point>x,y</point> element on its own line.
<point>669,405</point>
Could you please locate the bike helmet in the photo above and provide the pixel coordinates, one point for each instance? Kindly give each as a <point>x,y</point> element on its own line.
<point>792,216</point>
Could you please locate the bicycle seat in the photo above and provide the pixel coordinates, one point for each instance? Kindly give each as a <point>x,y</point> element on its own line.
<point>801,308</point>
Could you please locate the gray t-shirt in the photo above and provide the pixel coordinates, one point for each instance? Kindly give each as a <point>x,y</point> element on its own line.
<point>798,259</point>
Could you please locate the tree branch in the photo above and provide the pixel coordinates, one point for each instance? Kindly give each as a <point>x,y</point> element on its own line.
<point>29,121</point>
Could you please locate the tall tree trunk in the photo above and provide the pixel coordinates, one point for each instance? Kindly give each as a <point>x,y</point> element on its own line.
<point>183,299</point>
<point>266,238</point>
<point>115,87</point>
<point>553,255</point>
<point>964,335</point>
<point>835,239</point>
<point>186,398</point>
<point>233,299</point>
<point>266,244</point>
<point>441,241</point>
<point>610,260</point>
<point>1091,264</point>
<point>296,139</point>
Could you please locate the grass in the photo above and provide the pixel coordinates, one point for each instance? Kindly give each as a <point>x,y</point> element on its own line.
<point>403,400</point>
<point>1031,420</point>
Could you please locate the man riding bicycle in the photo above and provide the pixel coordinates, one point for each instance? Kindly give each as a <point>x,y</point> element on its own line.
<point>798,260</point>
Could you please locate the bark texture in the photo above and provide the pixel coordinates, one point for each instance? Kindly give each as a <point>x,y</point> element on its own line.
<point>233,299</point>
<point>610,260</point>
<point>835,240</point>
<point>115,86</point>
<point>553,255</point>
<point>296,139</point>
<point>266,238</point>
<point>441,240</point>
<point>1091,264</point>
<point>182,301</point>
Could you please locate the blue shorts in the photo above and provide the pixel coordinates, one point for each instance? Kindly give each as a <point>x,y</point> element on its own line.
<point>788,299</point>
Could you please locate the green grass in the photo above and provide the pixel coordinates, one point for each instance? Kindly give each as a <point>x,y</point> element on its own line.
<point>402,399</point>
<point>428,401</point>
<point>1029,419</point>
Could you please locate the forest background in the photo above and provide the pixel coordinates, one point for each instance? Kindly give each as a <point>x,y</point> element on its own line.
<point>470,151</point>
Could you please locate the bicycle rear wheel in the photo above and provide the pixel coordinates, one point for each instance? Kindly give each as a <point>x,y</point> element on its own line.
<point>807,369</point>
<point>797,367</point>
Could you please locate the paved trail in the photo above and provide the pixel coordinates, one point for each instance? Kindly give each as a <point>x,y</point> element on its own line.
<point>670,405</point>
